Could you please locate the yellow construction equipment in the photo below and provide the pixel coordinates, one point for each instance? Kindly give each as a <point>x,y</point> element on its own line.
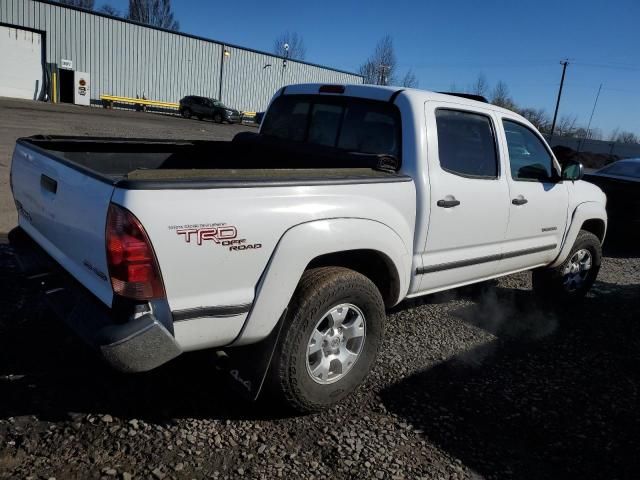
<point>109,100</point>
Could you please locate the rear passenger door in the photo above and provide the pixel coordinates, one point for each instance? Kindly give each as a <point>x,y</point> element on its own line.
<point>538,206</point>
<point>469,207</point>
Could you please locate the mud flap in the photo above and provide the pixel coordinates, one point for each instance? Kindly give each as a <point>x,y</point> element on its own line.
<point>248,366</point>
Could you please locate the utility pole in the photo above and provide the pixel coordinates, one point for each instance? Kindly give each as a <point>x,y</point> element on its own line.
<point>564,64</point>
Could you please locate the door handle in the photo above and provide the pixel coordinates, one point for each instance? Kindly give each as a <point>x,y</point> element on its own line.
<point>519,200</point>
<point>448,203</point>
<point>48,184</point>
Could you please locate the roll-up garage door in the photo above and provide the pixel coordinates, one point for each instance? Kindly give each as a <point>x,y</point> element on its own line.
<point>20,63</point>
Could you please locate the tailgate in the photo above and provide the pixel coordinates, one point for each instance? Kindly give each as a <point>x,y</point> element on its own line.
<point>64,210</point>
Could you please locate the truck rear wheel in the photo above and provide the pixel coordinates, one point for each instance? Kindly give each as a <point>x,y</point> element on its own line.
<point>329,340</point>
<point>575,276</point>
<point>186,113</point>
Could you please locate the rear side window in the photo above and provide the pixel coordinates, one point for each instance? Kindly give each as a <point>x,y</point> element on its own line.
<point>466,144</point>
<point>530,161</point>
<point>347,123</point>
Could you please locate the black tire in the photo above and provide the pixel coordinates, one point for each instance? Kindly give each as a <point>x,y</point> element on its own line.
<point>199,117</point>
<point>319,290</point>
<point>186,113</point>
<point>217,118</point>
<point>549,283</point>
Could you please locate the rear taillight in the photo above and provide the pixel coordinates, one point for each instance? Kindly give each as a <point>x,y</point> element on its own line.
<point>133,267</point>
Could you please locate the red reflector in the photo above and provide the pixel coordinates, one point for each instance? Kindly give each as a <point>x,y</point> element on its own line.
<point>139,273</point>
<point>332,89</point>
<point>132,263</point>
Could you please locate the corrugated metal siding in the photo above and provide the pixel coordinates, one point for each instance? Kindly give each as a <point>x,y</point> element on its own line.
<point>128,60</point>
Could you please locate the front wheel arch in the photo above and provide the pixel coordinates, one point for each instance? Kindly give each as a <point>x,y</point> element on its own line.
<point>594,215</point>
<point>595,226</point>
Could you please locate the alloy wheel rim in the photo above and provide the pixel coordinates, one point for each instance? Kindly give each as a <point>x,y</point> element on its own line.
<point>336,343</point>
<point>576,271</point>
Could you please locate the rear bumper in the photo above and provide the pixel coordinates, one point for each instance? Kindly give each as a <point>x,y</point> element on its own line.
<point>135,338</point>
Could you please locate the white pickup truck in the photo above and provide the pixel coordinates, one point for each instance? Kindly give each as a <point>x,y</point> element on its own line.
<point>350,199</point>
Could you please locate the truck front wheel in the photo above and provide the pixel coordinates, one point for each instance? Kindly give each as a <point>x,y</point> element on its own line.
<point>574,277</point>
<point>329,340</point>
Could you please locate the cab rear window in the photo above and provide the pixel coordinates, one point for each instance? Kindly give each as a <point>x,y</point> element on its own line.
<point>347,123</point>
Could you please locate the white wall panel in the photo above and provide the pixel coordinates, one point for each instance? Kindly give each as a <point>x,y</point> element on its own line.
<point>128,59</point>
<point>20,63</point>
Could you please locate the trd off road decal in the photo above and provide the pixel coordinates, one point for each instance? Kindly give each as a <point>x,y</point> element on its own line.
<point>214,234</point>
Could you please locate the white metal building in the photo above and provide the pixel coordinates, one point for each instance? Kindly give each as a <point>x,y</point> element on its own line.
<point>94,54</point>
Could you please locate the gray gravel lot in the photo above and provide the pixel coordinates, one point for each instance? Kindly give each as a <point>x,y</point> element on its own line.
<point>481,382</point>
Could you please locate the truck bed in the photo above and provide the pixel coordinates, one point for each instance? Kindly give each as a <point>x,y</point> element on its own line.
<point>248,160</point>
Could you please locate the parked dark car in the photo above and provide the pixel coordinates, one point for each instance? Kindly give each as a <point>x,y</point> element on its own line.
<point>621,183</point>
<point>203,107</point>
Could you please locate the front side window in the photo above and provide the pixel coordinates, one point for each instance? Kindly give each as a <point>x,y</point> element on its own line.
<point>466,144</point>
<point>347,123</point>
<point>529,159</point>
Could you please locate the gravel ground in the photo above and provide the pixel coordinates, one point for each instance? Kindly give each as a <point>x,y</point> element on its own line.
<point>476,383</point>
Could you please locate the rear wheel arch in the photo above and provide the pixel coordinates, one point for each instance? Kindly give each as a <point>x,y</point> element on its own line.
<point>322,243</point>
<point>373,264</point>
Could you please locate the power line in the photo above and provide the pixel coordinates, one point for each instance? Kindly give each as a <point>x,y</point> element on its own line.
<point>614,66</point>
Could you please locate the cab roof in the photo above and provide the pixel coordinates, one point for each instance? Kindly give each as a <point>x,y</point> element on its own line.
<point>387,93</point>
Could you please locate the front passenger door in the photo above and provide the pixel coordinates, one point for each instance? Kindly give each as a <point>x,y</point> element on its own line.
<point>539,200</point>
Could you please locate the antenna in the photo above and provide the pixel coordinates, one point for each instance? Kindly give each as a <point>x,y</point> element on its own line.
<point>564,64</point>
<point>587,133</point>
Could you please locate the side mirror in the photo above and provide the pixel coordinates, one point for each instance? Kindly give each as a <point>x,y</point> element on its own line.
<point>572,170</point>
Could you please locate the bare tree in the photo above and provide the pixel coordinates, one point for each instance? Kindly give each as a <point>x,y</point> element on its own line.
<point>86,4</point>
<point>614,134</point>
<point>480,86</point>
<point>156,13</point>
<point>297,49</point>
<point>595,134</point>
<point>370,72</point>
<point>380,68</point>
<point>566,126</point>
<point>109,10</point>
<point>627,137</point>
<point>410,80</point>
<point>500,96</point>
<point>538,117</point>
